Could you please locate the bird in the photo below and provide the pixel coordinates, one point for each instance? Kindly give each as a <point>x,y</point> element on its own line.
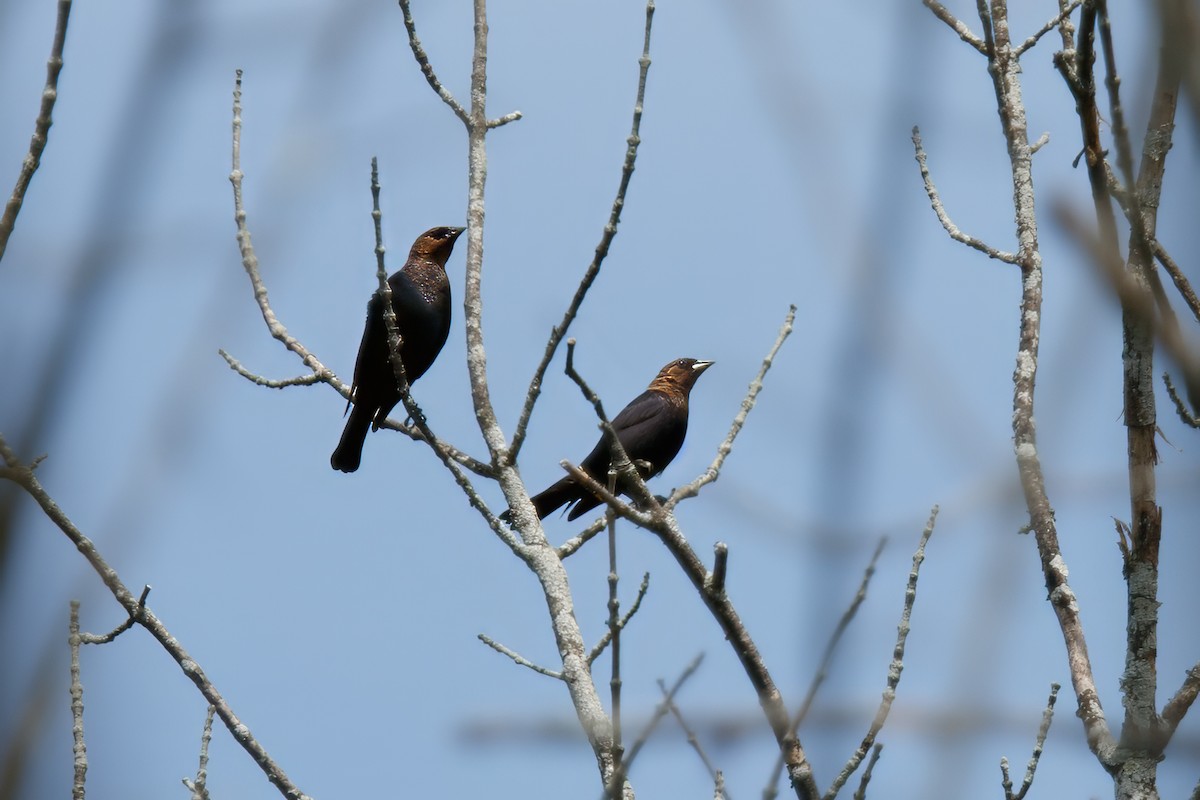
<point>651,429</point>
<point>421,301</point>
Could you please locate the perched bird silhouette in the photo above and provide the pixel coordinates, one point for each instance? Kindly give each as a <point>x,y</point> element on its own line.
<point>421,300</point>
<point>651,429</point>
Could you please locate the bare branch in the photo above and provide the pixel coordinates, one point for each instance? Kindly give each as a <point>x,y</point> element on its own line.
<point>1182,410</point>
<point>41,128</point>
<point>1177,707</point>
<point>956,25</point>
<point>1031,767</point>
<point>518,658</point>
<point>827,659</point>
<point>861,792</point>
<point>897,665</point>
<point>24,477</point>
<point>660,711</point>
<point>692,739</point>
<point>427,69</point>
<point>663,523</point>
<point>258,380</point>
<point>79,747</point>
<point>593,270</point>
<point>1178,278</point>
<point>199,786</point>
<point>573,544</point>
<point>714,469</point>
<point>1049,26</point>
<point>622,622</point>
<point>934,200</point>
<point>88,638</point>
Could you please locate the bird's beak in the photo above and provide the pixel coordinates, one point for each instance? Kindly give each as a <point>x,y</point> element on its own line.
<point>457,233</point>
<point>700,366</point>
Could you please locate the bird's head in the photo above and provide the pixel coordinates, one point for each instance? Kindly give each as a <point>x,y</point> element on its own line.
<point>680,374</point>
<point>436,244</point>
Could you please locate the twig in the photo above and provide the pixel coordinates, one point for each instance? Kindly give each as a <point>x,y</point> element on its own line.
<point>622,622</point>
<point>897,665</point>
<point>25,478</point>
<point>726,447</point>
<point>615,624</point>
<point>88,638</point>
<point>692,739</point>
<point>716,579</point>
<point>518,658</point>
<point>660,711</point>
<point>956,25</point>
<point>427,69</point>
<point>1049,26</point>
<point>41,128</point>
<point>1178,278</point>
<point>800,776</point>
<point>1177,707</point>
<point>861,792</point>
<point>258,380</point>
<point>1182,410</point>
<point>570,546</point>
<point>606,238</point>
<point>827,659</point>
<point>1031,767</point>
<point>936,201</point>
<point>199,786</point>
<point>79,747</point>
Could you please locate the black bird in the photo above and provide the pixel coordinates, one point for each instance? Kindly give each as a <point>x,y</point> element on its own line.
<point>421,300</point>
<point>651,429</point>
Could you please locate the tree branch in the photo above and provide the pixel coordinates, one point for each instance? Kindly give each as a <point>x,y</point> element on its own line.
<point>41,128</point>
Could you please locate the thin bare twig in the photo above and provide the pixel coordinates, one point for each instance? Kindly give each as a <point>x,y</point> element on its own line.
<point>259,380</point>
<point>1031,767</point>
<point>41,128</point>
<point>199,786</point>
<point>78,747</point>
<point>518,658</point>
<point>570,546</point>
<point>1178,278</point>
<point>89,638</point>
<point>692,738</point>
<point>1181,409</point>
<point>613,788</point>
<point>827,660</point>
<point>861,792</point>
<point>606,238</point>
<point>956,25</point>
<point>606,637</point>
<point>896,667</point>
<point>1057,21</point>
<point>936,201</point>
<point>1177,707</point>
<point>426,68</point>
<point>723,450</point>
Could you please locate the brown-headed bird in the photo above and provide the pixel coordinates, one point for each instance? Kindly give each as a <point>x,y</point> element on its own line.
<point>651,429</point>
<point>421,300</point>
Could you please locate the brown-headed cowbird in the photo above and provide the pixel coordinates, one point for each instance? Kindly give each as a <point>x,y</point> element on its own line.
<point>421,300</point>
<point>651,429</point>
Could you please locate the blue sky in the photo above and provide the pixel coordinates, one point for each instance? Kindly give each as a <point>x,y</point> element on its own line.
<point>339,613</point>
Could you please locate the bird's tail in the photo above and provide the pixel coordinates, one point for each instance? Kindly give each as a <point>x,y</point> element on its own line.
<point>348,454</point>
<point>555,497</point>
